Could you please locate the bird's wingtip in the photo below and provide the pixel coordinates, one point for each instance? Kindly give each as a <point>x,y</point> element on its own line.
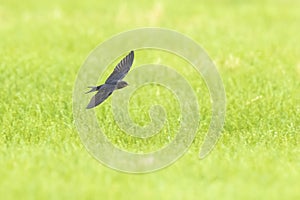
<point>89,106</point>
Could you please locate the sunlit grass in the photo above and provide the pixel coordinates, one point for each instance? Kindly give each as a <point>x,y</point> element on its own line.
<point>256,48</point>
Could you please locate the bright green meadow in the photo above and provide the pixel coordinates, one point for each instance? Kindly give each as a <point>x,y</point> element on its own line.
<point>256,48</point>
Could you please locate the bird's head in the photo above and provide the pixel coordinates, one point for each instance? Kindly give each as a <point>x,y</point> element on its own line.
<point>121,84</point>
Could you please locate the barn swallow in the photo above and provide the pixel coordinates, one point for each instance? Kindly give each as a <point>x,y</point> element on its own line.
<point>113,82</point>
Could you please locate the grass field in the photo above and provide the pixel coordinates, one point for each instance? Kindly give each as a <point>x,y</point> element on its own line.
<point>256,47</point>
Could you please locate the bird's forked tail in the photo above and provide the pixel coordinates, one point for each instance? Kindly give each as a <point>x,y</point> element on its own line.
<point>93,89</point>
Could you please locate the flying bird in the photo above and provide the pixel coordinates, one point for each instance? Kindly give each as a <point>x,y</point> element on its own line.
<point>113,82</point>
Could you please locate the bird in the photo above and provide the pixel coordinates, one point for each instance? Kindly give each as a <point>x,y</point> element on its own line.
<point>112,83</point>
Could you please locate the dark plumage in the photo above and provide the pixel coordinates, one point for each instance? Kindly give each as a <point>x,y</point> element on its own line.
<point>113,82</point>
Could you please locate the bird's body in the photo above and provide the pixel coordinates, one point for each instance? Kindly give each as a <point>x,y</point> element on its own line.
<point>113,82</point>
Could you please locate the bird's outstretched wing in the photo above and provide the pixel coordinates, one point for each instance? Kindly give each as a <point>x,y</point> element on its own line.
<point>103,93</point>
<point>121,69</point>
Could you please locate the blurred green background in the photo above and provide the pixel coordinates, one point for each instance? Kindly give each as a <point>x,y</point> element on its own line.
<point>256,47</point>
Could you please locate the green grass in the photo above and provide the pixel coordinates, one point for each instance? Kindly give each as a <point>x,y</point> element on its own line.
<point>256,47</point>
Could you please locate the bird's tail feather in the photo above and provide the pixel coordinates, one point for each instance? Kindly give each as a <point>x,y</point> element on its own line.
<point>93,89</point>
